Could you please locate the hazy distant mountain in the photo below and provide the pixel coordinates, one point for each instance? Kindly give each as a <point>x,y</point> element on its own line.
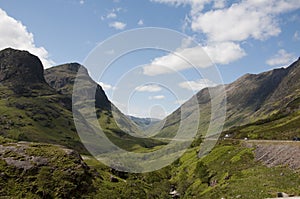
<point>143,123</point>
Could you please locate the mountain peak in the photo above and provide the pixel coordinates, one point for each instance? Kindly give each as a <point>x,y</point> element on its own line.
<point>20,67</point>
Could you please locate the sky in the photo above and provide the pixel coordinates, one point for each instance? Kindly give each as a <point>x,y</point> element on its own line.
<point>239,37</point>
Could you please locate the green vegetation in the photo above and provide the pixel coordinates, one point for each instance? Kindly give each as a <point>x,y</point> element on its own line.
<point>43,171</point>
<point>264,106</point>
<point>229,171</point>
<point>277,127</point>
<point>39,118</point>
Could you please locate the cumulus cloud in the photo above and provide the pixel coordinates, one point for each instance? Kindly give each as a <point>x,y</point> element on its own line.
<point>118,25</point>
<point>282,58</point>
<point>197,85</point>
<point>199,57</point>
<point>226,24</point>
<point>224,52</point>
<point>106,87</point>
<point>239,21</point>
<point>15,35</point>
<point>157,97</point>
<point>148,88</point>
<point>248,19</point>
<point>179,60</point>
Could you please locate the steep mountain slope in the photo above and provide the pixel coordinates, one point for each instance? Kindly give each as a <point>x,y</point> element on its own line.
<point>118,127</point>
<point>62,78</point>
<point>250,98</point>
<point>30,109</point>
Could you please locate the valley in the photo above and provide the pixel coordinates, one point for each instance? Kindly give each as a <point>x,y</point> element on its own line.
<point>42,155</point>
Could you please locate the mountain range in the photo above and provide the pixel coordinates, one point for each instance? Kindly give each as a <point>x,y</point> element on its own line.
<point>263,98</point>
<point>42,155</point>
<point>36,105</point>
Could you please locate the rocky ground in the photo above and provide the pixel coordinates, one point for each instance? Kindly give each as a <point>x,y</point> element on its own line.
<point>275,153</point>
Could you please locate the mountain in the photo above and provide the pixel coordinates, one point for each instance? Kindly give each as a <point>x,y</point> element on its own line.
<point>14,68</point>
<point>30,109</point>
<point>251,98</point>
<point>143,123</point>
<point>33,110</point>
<point>34,107</point>
<point>118,127</point>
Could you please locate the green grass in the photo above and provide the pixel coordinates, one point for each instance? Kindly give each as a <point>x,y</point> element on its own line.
<point>62,176</point>
<point>277,127</point>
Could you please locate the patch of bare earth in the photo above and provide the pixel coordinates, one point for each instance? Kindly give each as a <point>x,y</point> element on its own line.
<point>276,153</point>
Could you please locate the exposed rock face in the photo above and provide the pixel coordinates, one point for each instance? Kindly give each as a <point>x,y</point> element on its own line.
<point>20,67</point>
<point>62,78</point>
<point>43,171</point>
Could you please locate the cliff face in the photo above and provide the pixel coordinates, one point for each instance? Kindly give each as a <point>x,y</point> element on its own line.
<point>62,78</point>
<point>20,67</point>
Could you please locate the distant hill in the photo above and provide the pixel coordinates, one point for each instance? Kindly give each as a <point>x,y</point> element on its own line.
<point>143,123</point>
<point>251,98</point>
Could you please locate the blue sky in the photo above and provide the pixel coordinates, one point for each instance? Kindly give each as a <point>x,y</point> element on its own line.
<point>240,36</point>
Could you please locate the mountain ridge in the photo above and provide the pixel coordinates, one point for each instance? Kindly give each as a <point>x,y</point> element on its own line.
<point>249,98</point>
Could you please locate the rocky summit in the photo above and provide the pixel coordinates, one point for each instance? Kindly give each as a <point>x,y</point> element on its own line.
<point>20,67</point>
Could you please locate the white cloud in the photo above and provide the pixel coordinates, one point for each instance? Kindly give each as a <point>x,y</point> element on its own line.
<point>179,60</point>
<point>197,85</point>
<point>219,4</point>
<point>140,22</point>
<point>296,36</point>
<point>15,35</point>
<point>196,5</point>
<point>111,15</point>
<point>224,52</point>
<point>106,87</point>
<point>240,21</point>
<point>282,58</point>
<point>148,88</point>
<point>226,24</point>
<point>199,57</point>
<point>117,25</point>
<point>81,2</point>
<point>157,97</point>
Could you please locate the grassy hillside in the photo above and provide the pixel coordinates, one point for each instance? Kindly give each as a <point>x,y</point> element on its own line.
<point>118,127</point>
<point>31,170</point>
<point>32,110</point>
<point>250,98</point>
<point>38,118</point>
<point>229,171</point>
